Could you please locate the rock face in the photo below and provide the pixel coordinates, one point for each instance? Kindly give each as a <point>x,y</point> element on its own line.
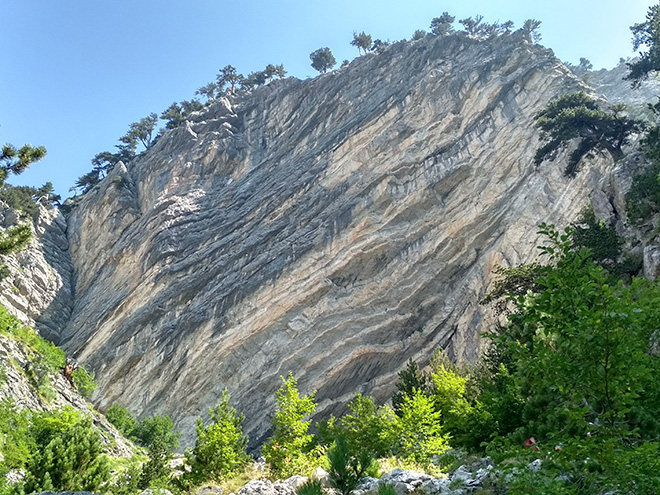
<point>38,288</point>
<point>332,227</point>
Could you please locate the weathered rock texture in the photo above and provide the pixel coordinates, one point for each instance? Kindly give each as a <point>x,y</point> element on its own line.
<point>334,227</point>
<point>38,288</point>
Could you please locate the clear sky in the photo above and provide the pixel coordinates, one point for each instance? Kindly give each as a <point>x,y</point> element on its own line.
<point>78,72</point>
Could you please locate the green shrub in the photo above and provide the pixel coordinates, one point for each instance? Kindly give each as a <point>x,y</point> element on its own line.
<point>643,198</point>
<point>286,451</point>
<point>156,428</point>
<point>310,487</point>
<point>386,489</point>
<point>84,381</point>
<point>220,449</point>
<point>597,236</point>
<point>15,443</point>
<point>420,430</point>
<point>366,427</point>
<point>155,472</point>
<point>346,469</point>
<point>122,419</point>
<point>68,454</point>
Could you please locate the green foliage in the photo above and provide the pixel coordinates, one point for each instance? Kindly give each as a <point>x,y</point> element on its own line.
<point>578,116</point>
<point>420,429</point>
<point>126,478</point>
<point>15,444</point>
<point>220,449</point>
<point>471,25</point>
<point>346,469</point>
<point>418,35</point>
<point>310,487</point>
<point>177,113</point>
<point>386,489</point>
<point>530,29</point>
<point>467,422</point>
<point>322,59</point>
<point>600,238</point>
<point>156,429</point>
<point>410,380</point>
<point>17,160</point>
<point>643,198</point>
<point>84,381</point>
<point>362,41</point>
<point>155,471</point>
<point>51,356</point>
<point>366,428</point>
<point>68,454</point>
<point>122,419</point>
<point>14,239</point>
<point>228,76</point>
<point>645,34</point>
<point>286,450</point>
<point>577,349</point>
<point>441,26</point>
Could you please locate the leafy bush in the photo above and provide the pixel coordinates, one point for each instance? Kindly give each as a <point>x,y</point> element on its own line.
<point>68,454</point>
<point>15,444</point>
<point>156,428</point>
<point>286,451</point>
<point>365,428</point>
<point>597,236</point>
<point>643,198</point>
<point>220,449</point>
<point>122,419</point>
<point>421,435</point>
<point>84,381</point>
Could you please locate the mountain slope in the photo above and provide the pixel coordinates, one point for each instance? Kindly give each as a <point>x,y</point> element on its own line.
<point>334,227</point>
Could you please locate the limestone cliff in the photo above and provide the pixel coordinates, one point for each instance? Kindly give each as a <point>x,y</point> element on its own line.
<point>334,227</point>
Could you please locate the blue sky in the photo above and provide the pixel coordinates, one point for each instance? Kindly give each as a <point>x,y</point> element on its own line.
<point>78,72</point>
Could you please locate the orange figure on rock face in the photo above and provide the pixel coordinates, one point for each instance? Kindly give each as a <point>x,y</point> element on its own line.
<point>68,370</point>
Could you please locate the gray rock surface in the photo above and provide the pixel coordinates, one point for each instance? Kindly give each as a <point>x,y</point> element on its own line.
<point>38,288</point>
<point>652,262</point>
<point>266,487</point>
<point>333,227</point>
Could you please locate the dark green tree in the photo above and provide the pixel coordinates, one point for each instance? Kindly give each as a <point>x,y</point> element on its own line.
<point>279,71</point>
<point>645,35</point>
<point>322,59</point>
<point>87,181</point>
<point>18,160</point>
<point>346,469</point>
<point>578,116</point>
<point>441,26</point>
<point>530,29</point>
<point>157,428</point>
<point>379,46</point>
<point>269,72</point>
<point>362,41</point>
<point>411,378</point>
<point>228,76</point>
<point>208,91</point>
<point>472,25</point>
<point>418,35</point>
<point>68,455</point>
